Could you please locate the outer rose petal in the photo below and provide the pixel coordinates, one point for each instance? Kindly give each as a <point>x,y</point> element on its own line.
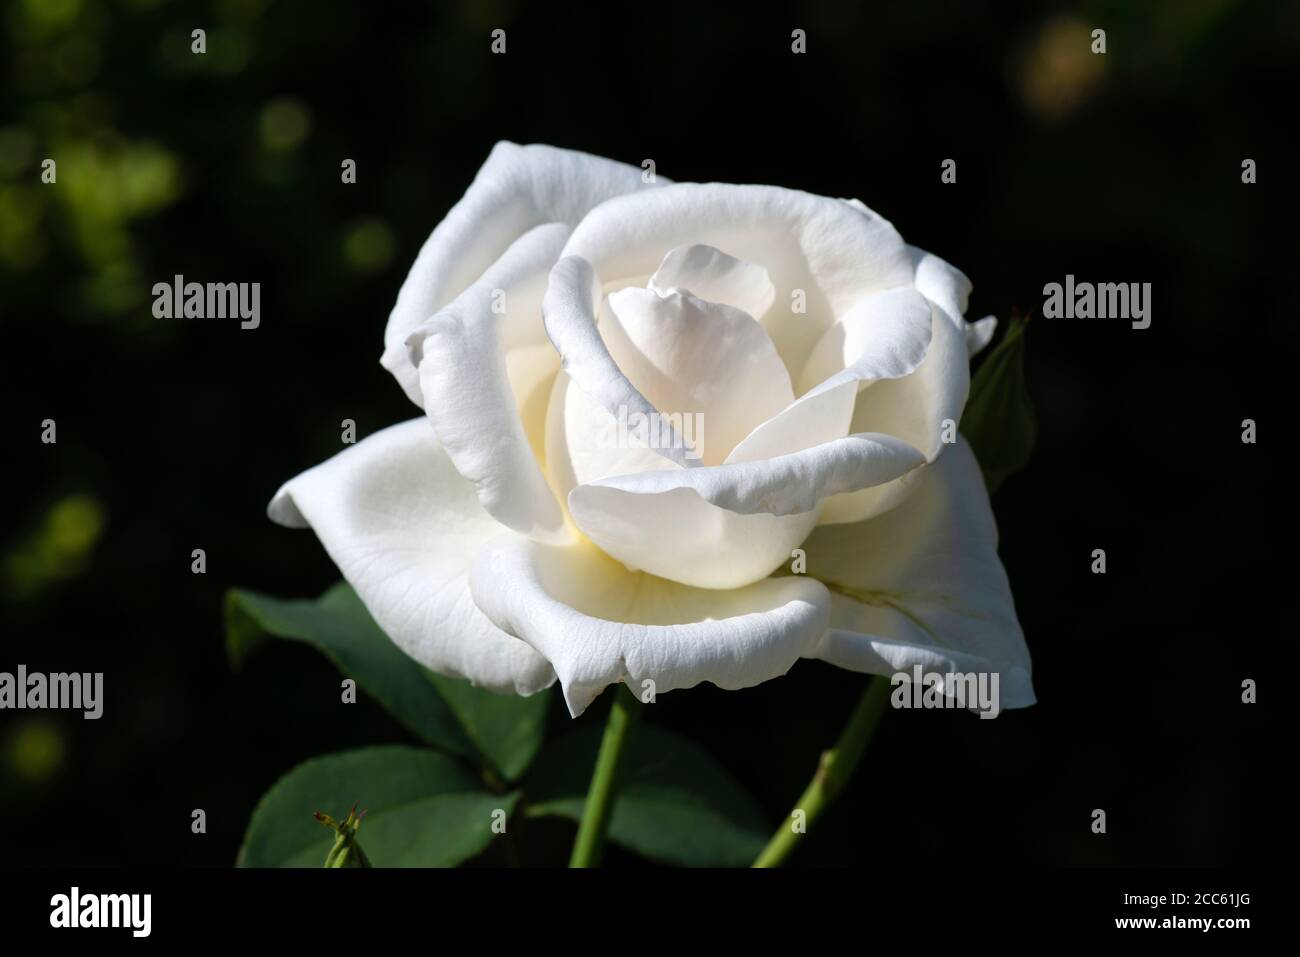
<point>599,624</point>
<point>474,406</point>
<point>929,587</point>
<point>519,187</point>
<point>948,288</point>
<point>980,333</point>
<point>403,526</point>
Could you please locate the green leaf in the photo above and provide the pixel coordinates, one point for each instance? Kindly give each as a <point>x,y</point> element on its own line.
<point>338,626</point>
<point>999,420</point>
<point>422,809</point>
<point>506,729</point>
<point>503,731</point>
<point>677,805</point>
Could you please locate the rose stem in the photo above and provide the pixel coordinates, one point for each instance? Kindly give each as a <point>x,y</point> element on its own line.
<point>624,713</point>
<point>833,772</point>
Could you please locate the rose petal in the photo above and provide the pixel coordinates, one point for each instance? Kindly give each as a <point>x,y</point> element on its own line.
<point>569,310</point>
<point>468,392</point>
<point>403,526</point>
<point>884,336</point>
<point>712,275</point>
<point>980,333</point>
<point>941,282</point>
<point>730,525</point>
<point>585,443</point>
<point>922,584</point>
<point>532,371</point>
<point>599,624</point>
<point>913,408</point>
<point>518,188</point>
<point>948,288</point>
<point>832,252</point>
<point>695,358</point>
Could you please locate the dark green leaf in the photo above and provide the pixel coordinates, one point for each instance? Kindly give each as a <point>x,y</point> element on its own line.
<point>338,625</point>
<point>677,805</point>
<point>506,729</point>
<point>999,420</point>
<point>423,809</point>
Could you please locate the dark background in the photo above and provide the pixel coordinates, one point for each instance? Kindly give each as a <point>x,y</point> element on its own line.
<point>173,435</point>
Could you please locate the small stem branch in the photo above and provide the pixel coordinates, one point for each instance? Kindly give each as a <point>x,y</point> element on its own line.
<point>606,779</point>
<point>833,772</point>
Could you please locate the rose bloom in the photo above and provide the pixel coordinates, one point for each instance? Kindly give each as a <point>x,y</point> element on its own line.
<point>514,533</point>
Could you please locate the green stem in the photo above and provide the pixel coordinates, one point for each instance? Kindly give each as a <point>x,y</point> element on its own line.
<point>624,712</point>
<point>833,773</point>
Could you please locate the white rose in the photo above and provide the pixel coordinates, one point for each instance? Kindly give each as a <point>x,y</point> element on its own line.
<point>504,538</point>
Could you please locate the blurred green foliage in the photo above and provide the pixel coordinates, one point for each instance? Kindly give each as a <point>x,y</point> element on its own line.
<point>59,548</point>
